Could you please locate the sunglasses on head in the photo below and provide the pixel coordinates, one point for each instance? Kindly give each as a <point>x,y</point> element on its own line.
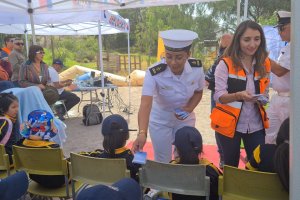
<point>19,43</point>
<point>40,52</point>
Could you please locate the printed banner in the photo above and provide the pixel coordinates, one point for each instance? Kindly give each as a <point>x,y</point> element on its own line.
<point>115,21</point>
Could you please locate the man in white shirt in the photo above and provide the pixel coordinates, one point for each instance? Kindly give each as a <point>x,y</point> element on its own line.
<point>69,98</point>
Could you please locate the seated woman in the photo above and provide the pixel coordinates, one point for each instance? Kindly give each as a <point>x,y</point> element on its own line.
<point>5,75</point>
<point>263,155</point>
<point>116,133</point>
<point>188,143</point>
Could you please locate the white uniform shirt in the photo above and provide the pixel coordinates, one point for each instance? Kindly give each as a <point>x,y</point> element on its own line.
<point>171,91</point>
<point>282,84</point>
<point>54,78</point>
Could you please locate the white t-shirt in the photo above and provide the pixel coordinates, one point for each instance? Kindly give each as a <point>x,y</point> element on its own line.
<point>54,78</point>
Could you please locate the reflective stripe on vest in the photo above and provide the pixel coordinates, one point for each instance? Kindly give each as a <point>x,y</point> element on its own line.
<point>224,117</point>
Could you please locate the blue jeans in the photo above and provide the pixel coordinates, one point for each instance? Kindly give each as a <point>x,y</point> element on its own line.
<point>231,146</point>
<point>6,85</point>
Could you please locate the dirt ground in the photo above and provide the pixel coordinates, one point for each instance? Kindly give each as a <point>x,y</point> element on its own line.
<point>85,138</point>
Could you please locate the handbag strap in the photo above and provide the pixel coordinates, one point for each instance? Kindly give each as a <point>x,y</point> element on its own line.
<point>7,135</point>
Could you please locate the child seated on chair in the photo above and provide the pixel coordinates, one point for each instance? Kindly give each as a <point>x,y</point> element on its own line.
<point>263,156</point>
<point>39,127</point>
<point>115,132</point>
<point>9,126</point>
<point>188,144</point>
<point>39,132</point>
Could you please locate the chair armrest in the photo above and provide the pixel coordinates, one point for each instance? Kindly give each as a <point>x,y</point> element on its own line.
<point>220,186</point>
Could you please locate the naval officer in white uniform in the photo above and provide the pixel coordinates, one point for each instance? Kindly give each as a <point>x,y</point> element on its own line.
<point>279,108</point>
<point>172,89</point>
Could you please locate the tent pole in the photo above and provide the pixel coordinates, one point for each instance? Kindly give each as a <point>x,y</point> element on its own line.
<point>101,66</point>
<point>245,10</point>
<point>238,11</point>
<point>26,40</point>
<point>30,11</point>
<point>295,106</point>
<point>129,72</point>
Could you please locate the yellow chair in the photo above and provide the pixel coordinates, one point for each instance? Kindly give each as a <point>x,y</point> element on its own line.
<point>4,162</point>
<point>239,184</point>
<point>180,179</point>
<point>43,161</point>
<point>94,171</point>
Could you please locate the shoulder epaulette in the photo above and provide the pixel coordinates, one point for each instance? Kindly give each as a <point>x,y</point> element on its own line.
<point>158,68</point>
<point>195,62</point>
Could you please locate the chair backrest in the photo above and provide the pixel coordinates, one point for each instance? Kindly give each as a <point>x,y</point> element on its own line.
<point>41,161</point>
<point>244,184</point>
<point>4,159</point>
<point>93,171</point>
<point>180,179</point>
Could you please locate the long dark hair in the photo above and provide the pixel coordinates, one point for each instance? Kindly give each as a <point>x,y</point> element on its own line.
<point>115,139</point>
<point>234,49</point>
<point>6,99</point>
<point>281,156</point>
<point>32,51</point>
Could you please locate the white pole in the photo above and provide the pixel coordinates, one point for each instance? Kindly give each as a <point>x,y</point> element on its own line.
<point>295,106</point>
<point>129,72</point>
<point>238,12</point>
<point>245,10</point>
<point>30,11</point>
<point>26,39</point>
<point>101,66</point>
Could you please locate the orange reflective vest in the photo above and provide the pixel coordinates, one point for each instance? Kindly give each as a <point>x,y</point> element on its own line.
<point>224,117</point>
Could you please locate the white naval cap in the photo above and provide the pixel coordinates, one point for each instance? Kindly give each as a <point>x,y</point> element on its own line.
<point>283,17</point>
<point>178,39</point>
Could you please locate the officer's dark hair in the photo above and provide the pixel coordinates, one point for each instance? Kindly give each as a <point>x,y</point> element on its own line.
<point>115,139</point>
<point>281,156</point>
<point>234,49</point>
<point>6,99</point>
<point>32,51</point>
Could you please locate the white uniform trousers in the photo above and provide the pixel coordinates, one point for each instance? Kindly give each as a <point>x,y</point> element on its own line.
<point>163,135</point>
<point>277,112</point>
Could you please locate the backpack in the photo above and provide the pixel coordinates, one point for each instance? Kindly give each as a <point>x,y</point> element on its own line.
<point>91,115</point>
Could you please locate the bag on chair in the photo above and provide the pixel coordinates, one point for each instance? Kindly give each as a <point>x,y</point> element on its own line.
<point>91,115</point>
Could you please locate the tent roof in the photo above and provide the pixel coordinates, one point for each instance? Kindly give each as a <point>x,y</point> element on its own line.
<point>71,11</point>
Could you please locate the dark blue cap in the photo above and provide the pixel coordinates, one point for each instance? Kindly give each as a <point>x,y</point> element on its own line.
<point>114,123</point>
<point>187,139</point>
<point>58,62</point>
<point>125,189</point>
<point>14,186</point>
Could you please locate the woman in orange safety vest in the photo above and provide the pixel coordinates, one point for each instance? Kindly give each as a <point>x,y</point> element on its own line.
<point>242,81</point>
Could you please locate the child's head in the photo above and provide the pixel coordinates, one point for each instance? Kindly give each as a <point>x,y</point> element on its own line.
<point>284,132</point>
<point>9,104</point>
<point>116,133</point>
<point>188,143</point>
<point>281,157</point>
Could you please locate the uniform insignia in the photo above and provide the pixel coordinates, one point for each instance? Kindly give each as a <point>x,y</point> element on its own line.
<point>158,68</point>
<point>195,62</point>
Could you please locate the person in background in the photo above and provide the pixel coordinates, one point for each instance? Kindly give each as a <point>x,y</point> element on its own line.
<point>225,41</point>
<point>8,47</point>
<point>70,99</point>
<point>115,132</point>
<point>16,59</point>
<point>9,125</point>
<point>34,72</point>
<point>240,77</point>
<point>279,108</point>
<point>4,77</point>
<point>172,89</point>
<point>263,156</point>
<point>188,144</point>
